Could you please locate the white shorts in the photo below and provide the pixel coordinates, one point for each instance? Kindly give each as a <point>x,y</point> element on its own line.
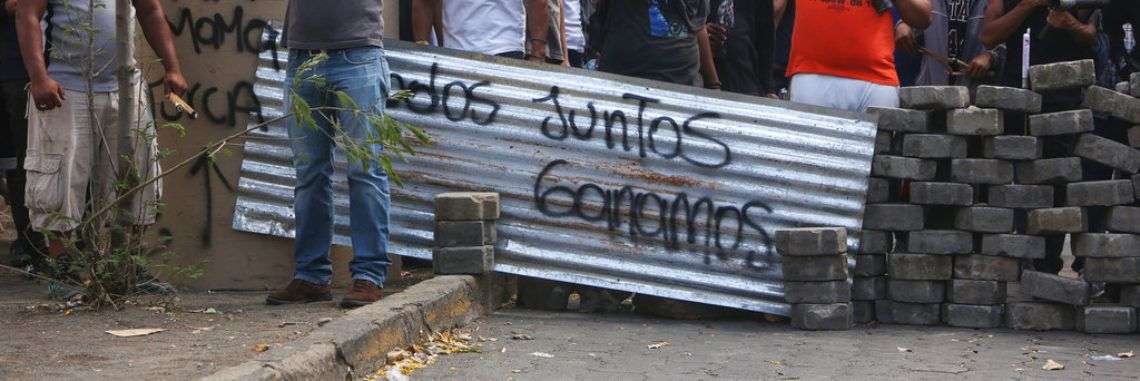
<point>842,93</point>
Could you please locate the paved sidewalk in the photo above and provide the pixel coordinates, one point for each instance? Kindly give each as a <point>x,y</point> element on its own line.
<point>616,347</point>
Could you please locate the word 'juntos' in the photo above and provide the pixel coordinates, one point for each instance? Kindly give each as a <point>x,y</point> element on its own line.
<point>654,216</point>
<point>665,137</point>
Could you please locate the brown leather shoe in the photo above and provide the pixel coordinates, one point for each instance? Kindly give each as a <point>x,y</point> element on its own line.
<point>362,293</point>
<point>299,291</point>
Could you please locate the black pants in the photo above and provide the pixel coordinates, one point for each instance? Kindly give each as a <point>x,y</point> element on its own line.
<point>13,146</point>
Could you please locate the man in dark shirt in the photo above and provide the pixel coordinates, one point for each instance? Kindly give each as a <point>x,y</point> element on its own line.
<point>1070,37</point>
<point>14,136</point>
<point>665,40</point>
<point>742,37</point>
<point>1118,14</point>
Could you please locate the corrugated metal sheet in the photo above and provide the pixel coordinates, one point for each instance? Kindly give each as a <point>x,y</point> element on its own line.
<point>789,165</point>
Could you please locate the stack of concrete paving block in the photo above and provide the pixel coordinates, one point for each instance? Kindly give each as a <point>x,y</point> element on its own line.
<point>465,233</point>
<point>816,282</point>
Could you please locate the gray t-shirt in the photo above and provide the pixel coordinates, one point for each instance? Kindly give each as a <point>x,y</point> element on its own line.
<point>70,58</point>
<point>333,24</point>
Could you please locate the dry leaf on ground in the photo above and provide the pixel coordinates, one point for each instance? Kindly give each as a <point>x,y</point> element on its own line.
<point>261,347</point>
<point>1052,365</point>
<point>135,332</point>
<point>1126,355</point>
<point>658,345</point>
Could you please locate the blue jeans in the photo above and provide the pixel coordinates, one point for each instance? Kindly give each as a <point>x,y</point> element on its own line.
<point>362,73</point>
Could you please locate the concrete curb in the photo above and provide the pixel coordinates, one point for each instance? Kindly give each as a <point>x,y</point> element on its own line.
<point>358,343</point>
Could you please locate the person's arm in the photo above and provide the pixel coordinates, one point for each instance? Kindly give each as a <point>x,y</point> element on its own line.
<point>778,8</point>
<point>916,13</point>
<point>1085,32</point>
<point>424,20</point>
<point>562,32</point>
<point>47,93</point>
<point>157,32</point>
<point>708,65</point>
<point>537,26</point>
<point>1000,25</point>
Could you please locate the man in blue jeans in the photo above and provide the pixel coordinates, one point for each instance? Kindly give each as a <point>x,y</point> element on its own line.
<point>351,33</point>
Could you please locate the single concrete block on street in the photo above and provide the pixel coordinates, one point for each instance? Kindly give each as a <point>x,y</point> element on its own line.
<point>1106,319</point>
<point>463,260</point>
<point>1108,152</point>
<point>1021,196</point>
<point>1130,295</point>
<point>953,194</point>
<point>1106,245</point>
<point>466,206</point>
<point>869,288</point>
<point>811,241</point>
<point>1056,221</point>
<point>1061,123</point>
<point>464,233</point>
<point>814,269</point>
<point>934,146</point>
<point>1012,147</point>
<point>981,171</point>
<point>1050,171</point>
<point>898,167</point>
<point>916,313</point>
<point>984,219</point>
<point>973,316</point>
<point>980,292</point>
<point>1055,288</point>
<point>902,120</point>
<point>1100,193</point>
<point>1112,270</point>
<point>863,311</point>
<point>883,309</point>
<point>986,267</point>
<point>1123,219</point>
<point>940,242</point>
<point>973,121</point>
<point>867,265</point>
<point>920,266</point>
<point>876,242</point>
<point>1013,246</point>
<point>1112,103</point>
<point>894,217</point>
<point>1036,316</point>
<point>1008,99</point>
<point>878,190</point>
<point>1062,75</point>
<point>934,97</point>
<point>917,291</point>
<point>818,292</point>
<point>822,317</point>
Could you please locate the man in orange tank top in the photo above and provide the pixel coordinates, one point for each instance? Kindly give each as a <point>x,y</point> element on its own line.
<point>843,51</point>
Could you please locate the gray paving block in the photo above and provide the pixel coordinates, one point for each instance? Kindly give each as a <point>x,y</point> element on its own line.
<point>1100,193</point>
<point>1105,245</point>
<point>940,242</point>
<point>1061,123</point>
<point>986,267</point>
<point>822,317</point>
<point>981,171</point>
<point>973,316</point>
<point>1050,171</point>
<point>883,311</point>
<point>863,311</point>
<point>884,142</point>
<point>1134,137</point>
<point>1130,295</point>
<point>1056,221</point>
<point>463,260</point>
<point>1112,103</point>
<point>973,121</point>
<point>464,233</point>
<point>934,97</point>
<point>869,288</point>
<point>466,206</point>
<point>811,241</point>
<point>814,269</point>
<point>1123,219</point>
<point>1012,147</point>
<point>903,266</point>
<point>1106,319</point>
<point>878,190</point>
<point>817,292</point>
<point>934,146</point>
<point>876,242</point>
<point>916,313</point>
<point>930,193</point>
<point>1013,246</point>
<point>1008,99</point>
<point>893,217</point>
<point>1062,75</point>
<point>1014,294</point>
<point>1021,196</point>
<point>898,167</point>
<point>1034,316</point>
<point>867,265</point>
<point>1108,152</point>
<point>1055,288</point>
<point>1112,270</point>
<point>984,219</point>
<point>1124,87</point>
<point>902,120</point>
<point>917,291</point>
<point>980,292</point>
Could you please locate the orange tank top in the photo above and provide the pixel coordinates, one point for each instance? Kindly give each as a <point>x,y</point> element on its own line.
<point>843,38</point>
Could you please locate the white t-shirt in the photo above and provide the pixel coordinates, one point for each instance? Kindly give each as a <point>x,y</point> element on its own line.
<point>485,26</point>
<point>575,38</point>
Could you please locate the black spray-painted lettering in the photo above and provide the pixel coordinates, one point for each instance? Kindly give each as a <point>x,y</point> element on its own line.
<point>457,100</point>
<point>212,31</point>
